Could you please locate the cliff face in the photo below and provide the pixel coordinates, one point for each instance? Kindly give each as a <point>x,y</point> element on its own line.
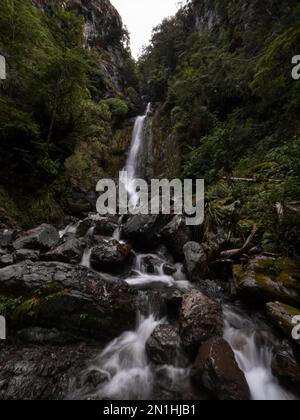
<point>104,34</point>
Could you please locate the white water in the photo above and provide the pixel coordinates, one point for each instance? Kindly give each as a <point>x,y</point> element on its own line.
<point>125,363</point>
<point>143,280</point>
<point>131,164</point>
<point>254,358</point>
<point>71,228</point>
<point>86,258</point>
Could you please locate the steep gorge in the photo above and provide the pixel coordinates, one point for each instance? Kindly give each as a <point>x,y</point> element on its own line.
<point>146,307</point>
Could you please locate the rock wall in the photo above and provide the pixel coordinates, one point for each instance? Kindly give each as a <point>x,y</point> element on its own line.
<point>103,33</point>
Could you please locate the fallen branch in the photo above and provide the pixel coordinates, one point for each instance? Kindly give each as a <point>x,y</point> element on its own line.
<point>234,253</point>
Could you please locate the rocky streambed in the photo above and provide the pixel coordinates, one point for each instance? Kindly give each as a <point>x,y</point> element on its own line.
<point>137,309</point>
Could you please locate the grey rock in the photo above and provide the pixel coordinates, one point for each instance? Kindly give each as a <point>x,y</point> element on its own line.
<point>110,256</point>
<point>196,263</point>
<point>200,319</point>
<point>175,235</point>
<point>42,238</point>
<point>164,346</point>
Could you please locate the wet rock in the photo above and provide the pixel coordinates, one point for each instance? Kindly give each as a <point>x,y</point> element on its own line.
<point>142,230</point>
<point>105,226</point>
<point>84,227</point>
<point>172,384</point>
<point>70,251</point>
<point>151,264</point>
<point>37,335</point>
<point>69,298</point>
<point>286,368</point>
<point>36,372</point>
<point>200,319</point>
<point>110,255</point>
<point>169,269</point>
<point>7,236</point>
<point>175,235</point>
<point>27,254</point>
<point>164,254</point>
<point>196,263</point>
<point>6,260</point>
<point>164,346</point>
<point>164,303</point>
<point>42,238</point>
<point>282,316</point>
<point>265,280</point>
<point>216,370</point>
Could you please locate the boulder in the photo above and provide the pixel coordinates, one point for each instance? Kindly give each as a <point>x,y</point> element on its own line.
<point>142,230</point>
<point>84,226</point>
<point>110,256</point>
<point>286,367</point>
<point>169,269</point>
<point>216,370</point>
<point>68,298</point>
<point>175,235</point>
<point>105,226</point>
<point>200,319</point>
<point>6,260</point>
<point>196,263</point>
<point>7,236</point>
<point>42,238</point>
<point>164,346</point>
<point>282,316</point>
<point>35,372</point>
<point>264,279</point>
<point>27,254</point>
<point>69,251</point>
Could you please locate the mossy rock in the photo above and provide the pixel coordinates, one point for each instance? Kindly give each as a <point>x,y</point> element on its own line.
<point>282,316</point>
<point>265,280</point>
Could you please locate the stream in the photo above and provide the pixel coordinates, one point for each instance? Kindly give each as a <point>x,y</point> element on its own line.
<point>126,370</point>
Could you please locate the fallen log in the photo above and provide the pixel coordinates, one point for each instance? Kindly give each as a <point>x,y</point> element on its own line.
<point>235,253</point>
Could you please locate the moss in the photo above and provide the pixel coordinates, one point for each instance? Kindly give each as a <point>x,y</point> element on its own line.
<point>284,318</point>
<point>239,273</point>
<point>282,270</point>
<point>95,326</point>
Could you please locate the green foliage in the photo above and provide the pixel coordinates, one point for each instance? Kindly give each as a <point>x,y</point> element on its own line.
<point>233,106</point>
<point>118,108</point>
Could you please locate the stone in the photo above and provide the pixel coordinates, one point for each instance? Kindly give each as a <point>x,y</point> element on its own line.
<point>27,254</point>
<point>69,251</point>
<point>196,263</point>
<point>200,319</point>
<point>142,230</point>
<point>6,260</point>
<point>286,367</point>
<point>217,371</point>
<point>68,298</point>
<point>164,346</point>
<point>282,316</point>
<point>7,236</point>
<point>175,235</point>
<point>265,279</point>
<point>42,238</point>
<point>110,255</point>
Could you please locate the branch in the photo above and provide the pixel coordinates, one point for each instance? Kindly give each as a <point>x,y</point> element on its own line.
<point>234,253</point>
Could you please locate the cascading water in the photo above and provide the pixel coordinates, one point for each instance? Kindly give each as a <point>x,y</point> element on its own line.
<point>124,362</point>
<point>135,148</point>
<point>254,356</point>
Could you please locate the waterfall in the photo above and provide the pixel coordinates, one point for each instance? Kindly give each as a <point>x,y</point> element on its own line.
<point>253,356</point>
<point>132,160</point>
